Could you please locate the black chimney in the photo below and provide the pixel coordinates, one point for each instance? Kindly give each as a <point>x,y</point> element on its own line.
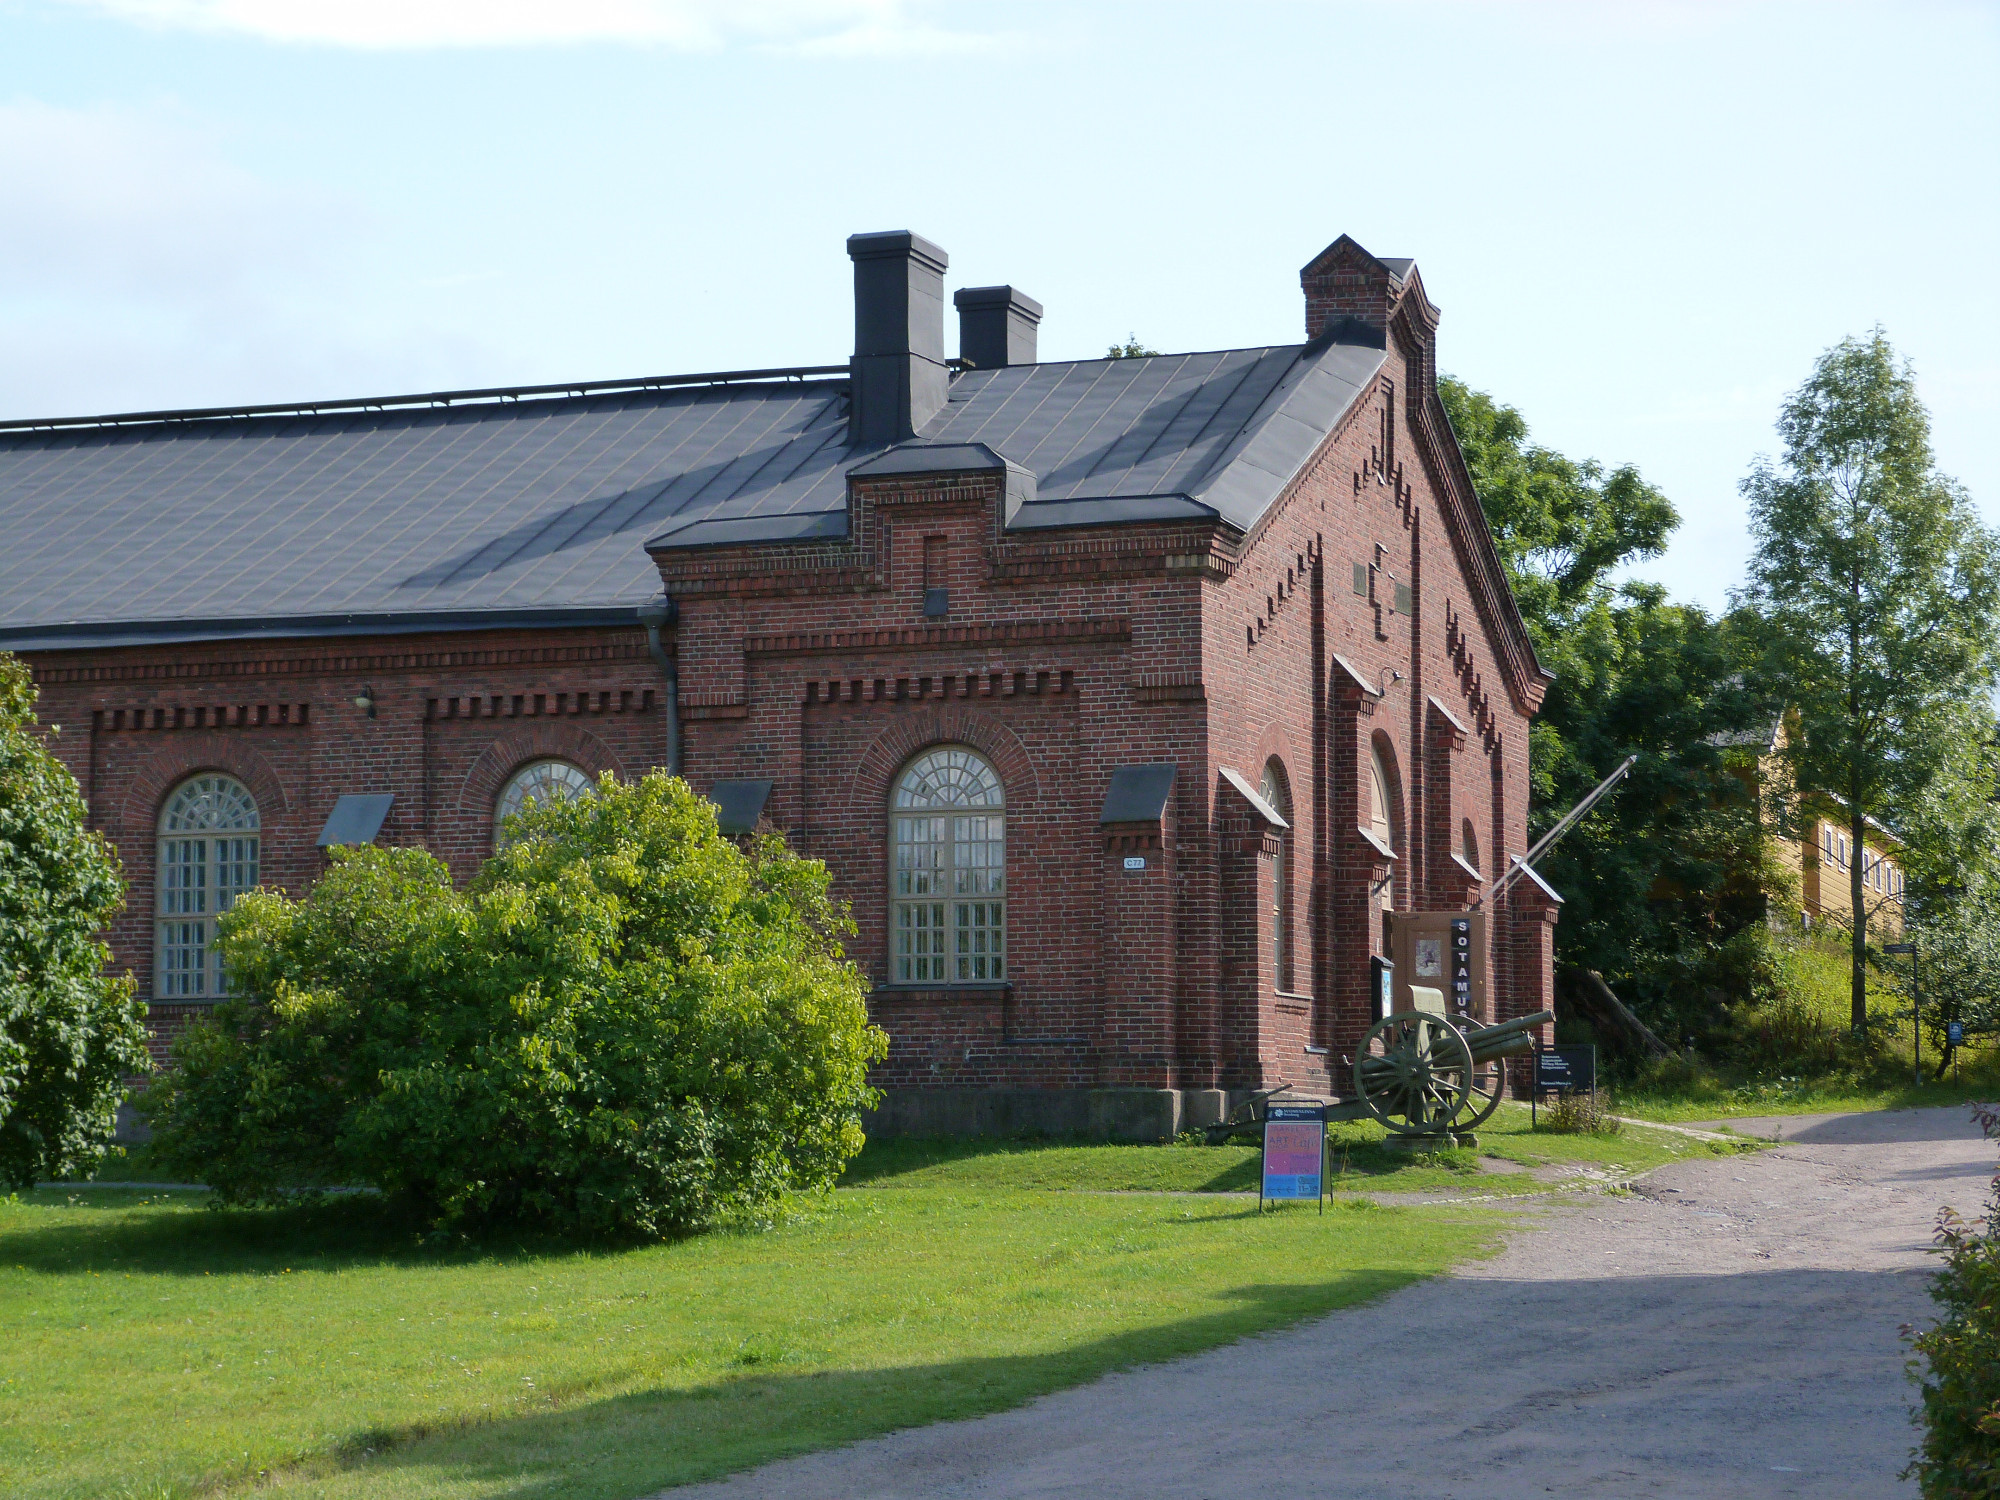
<point>899,379</point>
<point>996,326</point>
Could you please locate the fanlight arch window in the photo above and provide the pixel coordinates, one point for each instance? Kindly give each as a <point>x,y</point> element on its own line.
<point>1277,791</point>
<point>208,856</point>
<point>541,782</point>
<point>948,871</point>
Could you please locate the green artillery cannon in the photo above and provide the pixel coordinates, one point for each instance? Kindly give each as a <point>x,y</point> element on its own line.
<point>1419,1073</point>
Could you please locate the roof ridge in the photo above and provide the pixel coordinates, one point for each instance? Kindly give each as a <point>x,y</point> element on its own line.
<point>499,395</point>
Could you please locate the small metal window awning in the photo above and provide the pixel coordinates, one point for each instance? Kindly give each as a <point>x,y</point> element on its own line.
<point>1138,794</point>
<point>1255,798</point>
<point>739,804</point>
<point>357,818</point>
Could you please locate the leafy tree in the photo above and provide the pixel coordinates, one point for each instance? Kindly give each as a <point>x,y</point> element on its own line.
<point>1879,594</point>
<point>1130,349</point>
<point>626,1025</point>
<point>1664,875</point>
<point>69,1032</point>
<point>1956,974</point>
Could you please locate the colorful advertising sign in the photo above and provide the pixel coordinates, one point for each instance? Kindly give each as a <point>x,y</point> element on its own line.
<point>1294,1152</point>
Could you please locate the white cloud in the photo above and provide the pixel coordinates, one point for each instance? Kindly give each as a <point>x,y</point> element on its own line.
<point>827,27</point>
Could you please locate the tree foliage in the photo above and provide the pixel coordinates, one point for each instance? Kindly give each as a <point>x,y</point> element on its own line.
<point>1664,874</point>
<point>69,1032</point>
<point>626,1025</point>
<point>1878,592</point>
<point>1130,349</point>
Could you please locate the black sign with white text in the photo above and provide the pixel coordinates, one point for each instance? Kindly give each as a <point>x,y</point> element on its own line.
<point>1566,1070</point>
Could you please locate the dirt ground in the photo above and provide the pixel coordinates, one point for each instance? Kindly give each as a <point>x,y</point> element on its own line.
<point>1728,1329</point>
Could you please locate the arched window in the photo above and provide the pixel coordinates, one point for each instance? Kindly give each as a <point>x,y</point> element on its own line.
<point>208,857</point>
<point>1469,838</point>
<point>1381,822</point>
<point>1277,791</point>
<point>948,877</point>
<point>542,782</point>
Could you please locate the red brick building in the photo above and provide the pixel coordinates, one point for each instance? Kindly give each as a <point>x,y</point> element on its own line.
<point>1124,698</point>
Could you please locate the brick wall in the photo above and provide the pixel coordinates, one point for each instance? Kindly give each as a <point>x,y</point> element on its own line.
<point>454,716</point>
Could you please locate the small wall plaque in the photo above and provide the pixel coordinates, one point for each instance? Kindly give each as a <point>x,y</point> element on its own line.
<point>1135,861</point>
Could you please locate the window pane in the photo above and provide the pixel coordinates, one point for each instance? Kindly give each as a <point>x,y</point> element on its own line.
<point>183,877</point>
<point>978,940</point>
<point>960,852</point>
<point>183,955</point>
<point>208,856</point>
<point>920,856</point>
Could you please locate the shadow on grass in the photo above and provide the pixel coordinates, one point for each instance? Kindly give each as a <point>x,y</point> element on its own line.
<point>633,1444</point>
<point>333,1235</point>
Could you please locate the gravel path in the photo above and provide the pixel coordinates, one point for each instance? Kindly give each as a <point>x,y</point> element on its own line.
<point>1729,1329</point>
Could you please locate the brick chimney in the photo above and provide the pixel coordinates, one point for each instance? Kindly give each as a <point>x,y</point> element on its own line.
<point>898,378</point>
<point>1352,294</point>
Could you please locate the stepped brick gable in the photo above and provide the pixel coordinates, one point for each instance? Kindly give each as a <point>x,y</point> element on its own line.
<point>1127,699</point>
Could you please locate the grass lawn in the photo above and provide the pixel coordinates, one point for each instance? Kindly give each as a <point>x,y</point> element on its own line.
<point>1718,1099</point>
<point>1360,1162</point>
<point>158,1349</point>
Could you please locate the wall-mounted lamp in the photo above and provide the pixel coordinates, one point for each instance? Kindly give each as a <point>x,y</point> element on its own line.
<point>365,701</point>
<point>1390,678</point>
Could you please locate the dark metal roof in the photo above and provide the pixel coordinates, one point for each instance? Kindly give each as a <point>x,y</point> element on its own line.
<point>356,818</point>
<point>739,804</point>
<point>1138,794</point>
<point>503,509</point>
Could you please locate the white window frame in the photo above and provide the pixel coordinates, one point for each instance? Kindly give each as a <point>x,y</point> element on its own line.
<point>948,870</point>
<point>547,779</point>
<point>209,852</point>
<point>1277,791</point>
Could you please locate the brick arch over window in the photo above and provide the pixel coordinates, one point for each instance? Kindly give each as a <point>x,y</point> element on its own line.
<point>875,773</point>
<point>169,764</point>
<point>509,752</point>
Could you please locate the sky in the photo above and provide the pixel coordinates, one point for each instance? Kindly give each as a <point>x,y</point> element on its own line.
<point>1642,221</point>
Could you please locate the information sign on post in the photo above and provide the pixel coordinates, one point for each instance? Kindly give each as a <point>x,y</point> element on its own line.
<point>1566,1070</point>
<point>1294,1153</point>
<point>1562,1070</point>
<point>1954,1033</point>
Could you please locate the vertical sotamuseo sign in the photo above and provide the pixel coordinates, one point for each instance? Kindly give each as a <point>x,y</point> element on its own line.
<point>1461,968</point>
<point>1294,1152</point>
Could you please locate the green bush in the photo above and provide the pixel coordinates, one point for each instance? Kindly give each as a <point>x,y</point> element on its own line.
<point>69,1033</point>
<point>1958,1364</point>
<point>626,1025</point>
<point>1578,1114</point>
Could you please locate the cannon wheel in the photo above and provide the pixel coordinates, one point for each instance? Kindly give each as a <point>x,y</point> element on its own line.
<point>1414,1072</point>
<point>1489,1087</point>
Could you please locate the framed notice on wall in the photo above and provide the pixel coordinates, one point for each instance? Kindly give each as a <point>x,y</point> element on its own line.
<point>1294,1153</point>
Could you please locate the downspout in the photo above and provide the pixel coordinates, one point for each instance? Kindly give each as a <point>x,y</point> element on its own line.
<point>656,615</point>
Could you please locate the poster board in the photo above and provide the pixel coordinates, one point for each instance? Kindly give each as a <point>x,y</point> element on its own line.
<point>1442,950</point>
<point>1294,1165</point>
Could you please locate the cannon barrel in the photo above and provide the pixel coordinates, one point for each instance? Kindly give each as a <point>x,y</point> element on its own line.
<point>1508,1039</point>
<point>1487,1043</point>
